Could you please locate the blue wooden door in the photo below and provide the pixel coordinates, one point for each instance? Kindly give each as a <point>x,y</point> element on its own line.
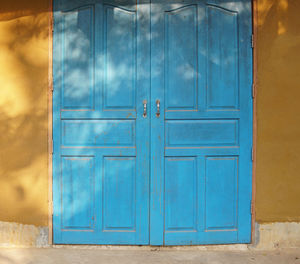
<point>101,139</point>
<point>201,142</point>
<point>152,122</point>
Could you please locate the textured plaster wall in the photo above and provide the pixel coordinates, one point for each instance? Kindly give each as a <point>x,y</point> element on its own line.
<point>24,58</point>
<point>278,102</point>
<point>23,111</point>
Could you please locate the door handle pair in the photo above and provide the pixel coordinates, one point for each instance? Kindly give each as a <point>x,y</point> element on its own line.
<point>157,108</point>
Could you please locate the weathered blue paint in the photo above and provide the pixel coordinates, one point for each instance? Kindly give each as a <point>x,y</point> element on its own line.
<point>201,146</point>
<point>101,141</point>
<point>181,178</point>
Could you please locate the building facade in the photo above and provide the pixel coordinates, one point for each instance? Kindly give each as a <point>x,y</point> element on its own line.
<point>26,75</point>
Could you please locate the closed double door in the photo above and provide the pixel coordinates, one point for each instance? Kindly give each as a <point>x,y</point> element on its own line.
<point>152,122</point>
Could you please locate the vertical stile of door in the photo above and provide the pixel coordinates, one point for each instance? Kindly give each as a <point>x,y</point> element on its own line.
<point>55,118</point>
<point>157,131</point>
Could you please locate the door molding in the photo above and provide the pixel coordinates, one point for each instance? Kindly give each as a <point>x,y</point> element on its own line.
<point>50,122</point>
<point>254,114</point>
<point>50,115</point>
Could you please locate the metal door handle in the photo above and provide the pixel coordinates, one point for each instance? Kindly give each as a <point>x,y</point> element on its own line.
<point>145,108</point>
<point>157,108</point>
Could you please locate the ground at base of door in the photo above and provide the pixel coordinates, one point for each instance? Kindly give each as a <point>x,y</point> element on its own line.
<point>104,256</point>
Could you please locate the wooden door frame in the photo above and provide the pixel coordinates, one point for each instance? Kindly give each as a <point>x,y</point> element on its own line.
<point>254,115</point>
<point>50,122</point>
<point>50,117</point>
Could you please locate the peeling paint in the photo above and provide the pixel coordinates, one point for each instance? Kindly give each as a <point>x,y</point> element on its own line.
<point>276,236</point>
<point>18,235</point>
<point>267,237</point>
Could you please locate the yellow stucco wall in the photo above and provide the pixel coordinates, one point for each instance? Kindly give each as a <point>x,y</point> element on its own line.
<point>24,58</point>
<point>278,146</point>
<point>23,111</point>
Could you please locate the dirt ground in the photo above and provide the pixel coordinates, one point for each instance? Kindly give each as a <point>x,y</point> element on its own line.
<point>147,256</point>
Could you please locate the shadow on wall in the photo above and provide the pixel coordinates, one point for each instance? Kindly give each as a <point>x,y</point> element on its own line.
<point>278,151</point>
<point>23,111</point>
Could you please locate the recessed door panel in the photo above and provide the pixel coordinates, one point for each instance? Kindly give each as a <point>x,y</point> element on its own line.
<point>98,133</point>
<point>77,66</point>
<point>120,58</point>
<point>181,61</point>
<point>221,180</point>
<point>199,133</point>
<point>222,58</point>
<point>77,180</point>
<point>119,177</point>
<point>181,194</point>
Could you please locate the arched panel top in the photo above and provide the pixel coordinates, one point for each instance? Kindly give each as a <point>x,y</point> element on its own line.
<point>223,10</point>
<point>120,9</point>
<point>238,6</point>
<point>69,5</point>
<point>77,8</point>
<point>181,9</point>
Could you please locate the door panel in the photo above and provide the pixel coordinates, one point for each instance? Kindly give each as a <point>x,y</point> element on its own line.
<point>119,179</point>
<point>120,58</point>
<point>78,70</point>
<point>181,194</point>
<point>98,133</point>
<point>221,193</point>
<point>222,63</point>
<point>201,133</point>
<point>101,140</point>
<point>201,143</point>
<point>78,176</point>
<point>181,63</point>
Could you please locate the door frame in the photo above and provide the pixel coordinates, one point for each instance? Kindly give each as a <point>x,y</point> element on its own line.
<point>50,122</point>
<point>50,117</point>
